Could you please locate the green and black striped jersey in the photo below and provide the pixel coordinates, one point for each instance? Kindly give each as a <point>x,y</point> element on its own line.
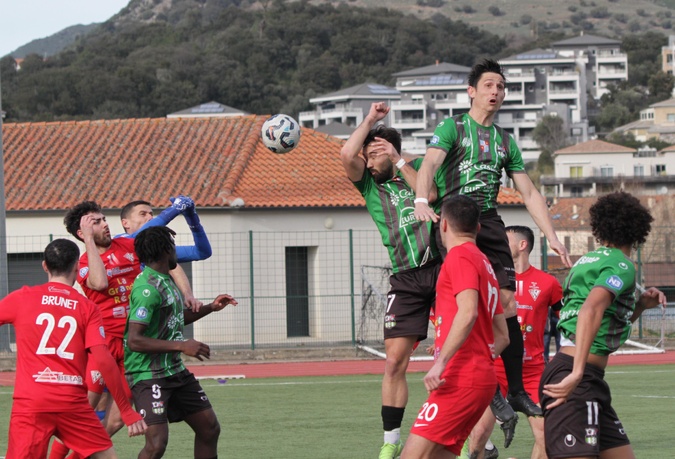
<point>410,243</point>
<point>156,302</point>
<point>476,156</point>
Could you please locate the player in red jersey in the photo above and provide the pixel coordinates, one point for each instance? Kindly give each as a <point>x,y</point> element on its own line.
<point>57,331</point>
<point>470,329</point>
<point>106,273</point>
<point>536,291</point>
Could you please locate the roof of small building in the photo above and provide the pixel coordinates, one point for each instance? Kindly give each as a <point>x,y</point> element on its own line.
<point>434,69</point>
<point>594,146</point>
<point>208,109</point>
<point>360,91</point>
<point>216,161</point>
<point>585,40</point>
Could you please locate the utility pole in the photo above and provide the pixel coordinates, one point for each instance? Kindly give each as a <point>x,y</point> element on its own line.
<point>4,285</point>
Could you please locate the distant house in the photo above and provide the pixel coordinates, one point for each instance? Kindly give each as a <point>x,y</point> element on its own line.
<point>656,122</point>
<point>289,232</point>
<point>209,109</point>
<point>596,167</point>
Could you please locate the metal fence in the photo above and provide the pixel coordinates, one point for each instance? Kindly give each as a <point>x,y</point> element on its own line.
<point>306,289</point>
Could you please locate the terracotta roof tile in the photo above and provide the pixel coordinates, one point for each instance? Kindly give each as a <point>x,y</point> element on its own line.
<point>595,146</point>
<point>53,166</point>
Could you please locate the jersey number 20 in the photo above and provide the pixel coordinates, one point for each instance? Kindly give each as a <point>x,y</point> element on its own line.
<point>65,321</point>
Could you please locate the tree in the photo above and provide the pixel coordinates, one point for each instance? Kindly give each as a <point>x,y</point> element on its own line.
<point>550,134</point>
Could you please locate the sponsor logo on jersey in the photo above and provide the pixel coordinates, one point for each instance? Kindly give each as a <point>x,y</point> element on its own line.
<point>623,265</point>
<point>57,377</point>
<point>116,271</point>
<point>570,440</point>
<point>101,331</point>
<point>390,321</point>
<point>84,271</point>
<point>407,217</point>
<point>146,292</point>
<point>62,291</point>
<point>534,291</point>
<point>466,142</point>
<point>96,377</point>
<point>472,185</point>
<point>158,407</point>
<point>615,282</point>
<point>591,437</point>
<point>435,139</point>
<point>464,167</point>
<point>130,256</point>
<point>585,260</point>
<point>501,151</point>
<point>484,145</point>
<point>141,313</point>
<point>421,424</point>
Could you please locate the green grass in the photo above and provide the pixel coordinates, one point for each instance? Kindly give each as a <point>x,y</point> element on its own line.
<point>339,417</point>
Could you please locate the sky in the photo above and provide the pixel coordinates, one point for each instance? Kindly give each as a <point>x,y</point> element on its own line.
<point>22,21</point>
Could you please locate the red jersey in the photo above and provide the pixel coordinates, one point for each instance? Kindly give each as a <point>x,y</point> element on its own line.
<point>535,292</point>
<point>55,325</point>
<point>466,268</point>
<point>122,266</point>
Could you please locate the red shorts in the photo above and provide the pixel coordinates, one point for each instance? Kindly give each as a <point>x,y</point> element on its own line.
<point>531,377</point>
<point>95,382</point>
<point>81,431</point>
<point>450,413</point>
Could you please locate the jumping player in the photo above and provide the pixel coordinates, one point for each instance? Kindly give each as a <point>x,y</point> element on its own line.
<point>536,291</point>
<point>57,331</point>
<point>163,389</point>
<point>471,330</point>
<point>467,155</point>
<point>414,257</point>
<point>599,307</point>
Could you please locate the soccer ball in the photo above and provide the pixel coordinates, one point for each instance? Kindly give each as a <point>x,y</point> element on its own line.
<point>281,133</point>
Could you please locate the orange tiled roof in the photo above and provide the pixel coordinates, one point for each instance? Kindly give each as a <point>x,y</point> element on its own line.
<point>53,166</point>
<point>595,146</point>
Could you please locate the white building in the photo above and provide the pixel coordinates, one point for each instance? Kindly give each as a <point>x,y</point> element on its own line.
<point>596,167</point>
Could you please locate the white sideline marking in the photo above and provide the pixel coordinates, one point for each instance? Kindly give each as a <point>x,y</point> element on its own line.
<point>218,377</point>
<point>643,396</point>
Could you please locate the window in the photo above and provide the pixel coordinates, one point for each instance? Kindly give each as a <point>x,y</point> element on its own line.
<point>606,171</point>
<point>638,170</point>
<point>671,117</point>
<point>660,169</point>
<point>297,291</point>
<point>576,191</point>
<point>576,172</point>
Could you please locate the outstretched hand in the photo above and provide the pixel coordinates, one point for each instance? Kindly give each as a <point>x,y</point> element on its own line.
<point>222,301</point>
<point>561,250</point>
<point>183,204</point>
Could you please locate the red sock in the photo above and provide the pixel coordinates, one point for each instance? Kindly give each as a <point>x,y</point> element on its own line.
<point>59,450</point>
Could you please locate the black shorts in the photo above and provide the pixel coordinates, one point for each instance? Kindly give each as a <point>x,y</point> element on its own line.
<point>494,243</point>
<point>586,423</point>
<point>411,297</point>
<point>169,399</point>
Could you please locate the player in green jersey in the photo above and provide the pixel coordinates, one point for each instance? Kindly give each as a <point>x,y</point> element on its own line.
<point>599,307</point>
<point>163,389</point>
<point>414,256</point>
<point>467,155</point>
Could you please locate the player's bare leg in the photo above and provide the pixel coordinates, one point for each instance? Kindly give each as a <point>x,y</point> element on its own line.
<point>395,391</point>
<point>539,447</point>
<point>513,358</point>
<point>480,434</point>
<point>417,447</point>
<point>156,439</point>
<point>621,452</point>
<point>113,418</point>
<point>107,454</point>
<point>207,430</point>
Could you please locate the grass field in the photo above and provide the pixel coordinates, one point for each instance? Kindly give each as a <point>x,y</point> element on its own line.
<point>339,417</point>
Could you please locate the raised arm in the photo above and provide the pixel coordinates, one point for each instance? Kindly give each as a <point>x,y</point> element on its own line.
<point>425,184</point>
<point>178,206</point>
<point>202,248</point>
<point>536,206</point>
<point>353,164</point>
<point>218,304</point>
<point>97,278</point>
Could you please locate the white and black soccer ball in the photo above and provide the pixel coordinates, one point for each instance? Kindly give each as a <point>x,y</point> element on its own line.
<point>280,133</point>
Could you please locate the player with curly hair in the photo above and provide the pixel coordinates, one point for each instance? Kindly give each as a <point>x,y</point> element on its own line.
<point>599,307</point>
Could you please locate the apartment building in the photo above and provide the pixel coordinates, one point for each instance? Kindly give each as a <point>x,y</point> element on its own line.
<point>596,167</point>
<point>539,82</point>
<point>667,53</point>
<point>656,122</point>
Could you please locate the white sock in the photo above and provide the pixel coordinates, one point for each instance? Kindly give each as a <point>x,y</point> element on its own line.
<point>392,436</point>
<point>489,445</point>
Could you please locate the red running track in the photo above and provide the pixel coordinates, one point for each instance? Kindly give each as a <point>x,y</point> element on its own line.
<point>347,367</point>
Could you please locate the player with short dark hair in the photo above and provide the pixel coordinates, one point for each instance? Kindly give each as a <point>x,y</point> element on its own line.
<point>57,331</point>
<point>536,291</point>
<point>470,330</point>
<point>467,155</point>
<point>599,307</point>
<point>414,256</point>
<point>163,389</point>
